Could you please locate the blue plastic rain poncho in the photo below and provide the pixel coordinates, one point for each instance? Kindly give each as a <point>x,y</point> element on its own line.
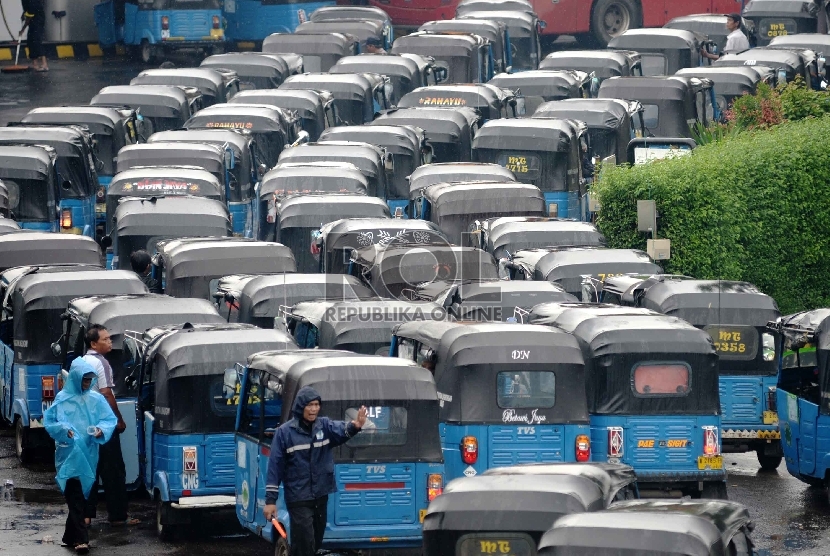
<point>75,409</point>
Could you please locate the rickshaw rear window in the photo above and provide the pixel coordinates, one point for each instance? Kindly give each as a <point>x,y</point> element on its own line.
<point>523,165</point>
<point>651,116</point>
<point>770,28</point>
<point>514,544</point>
<point>734,342</point>
<point>661,379</point>
<point>654,64</point>
<point>312,64</point>
<point>526,389</point>
<point>806,357</point>
<point>28,199</point>
<point>385,426</point>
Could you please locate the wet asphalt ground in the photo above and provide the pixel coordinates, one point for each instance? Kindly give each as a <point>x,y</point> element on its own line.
<point>790,517</point>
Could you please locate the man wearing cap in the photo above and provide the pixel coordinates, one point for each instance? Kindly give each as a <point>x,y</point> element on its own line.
<point>302,460</point>
<point>374,46</point>
<point>736,41</point>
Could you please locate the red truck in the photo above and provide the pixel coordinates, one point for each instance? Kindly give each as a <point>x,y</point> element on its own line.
<point>599,20</point>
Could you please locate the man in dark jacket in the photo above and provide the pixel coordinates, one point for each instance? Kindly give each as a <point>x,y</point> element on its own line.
<point>301,459</point>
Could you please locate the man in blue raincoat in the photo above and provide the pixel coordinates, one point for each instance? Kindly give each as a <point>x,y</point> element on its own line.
<point>79,421</point>
<point>302,460</point>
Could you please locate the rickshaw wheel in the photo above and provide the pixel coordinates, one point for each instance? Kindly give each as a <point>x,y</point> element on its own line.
<point>24,453</point>
<point>146,52</point>
<point>768,463</point>
<point>165,532</point>
<point>281,547</point>
<point>611,18</point>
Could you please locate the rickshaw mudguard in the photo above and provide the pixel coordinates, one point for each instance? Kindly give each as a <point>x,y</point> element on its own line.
<point>160,484</point>
<point>21,411</point>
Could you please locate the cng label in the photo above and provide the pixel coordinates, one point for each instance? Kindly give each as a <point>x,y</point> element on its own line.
<point>190,481</point>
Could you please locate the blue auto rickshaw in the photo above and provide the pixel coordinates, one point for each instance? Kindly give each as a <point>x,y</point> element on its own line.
<point>111,128</point>
<point>652,384</point>
<point>153,28</point>
<point>254,20</point>
<point>385,476</point>
<point>30,177</point>
<point>509,393</point>
<point>121,314</point>
<point>34,298</point>
<point>546,153</point>
<point>244,168</point>
<point>735,315</point>
<point>77,166</point>
<point>802,394</point>
<point>184,419</point>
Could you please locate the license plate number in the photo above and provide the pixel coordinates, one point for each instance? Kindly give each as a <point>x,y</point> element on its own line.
<point>710,462</point>
<point>770,418</point>
<point>421,515</point>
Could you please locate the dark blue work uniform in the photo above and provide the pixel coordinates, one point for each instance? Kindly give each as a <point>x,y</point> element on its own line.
<point>302,460</point>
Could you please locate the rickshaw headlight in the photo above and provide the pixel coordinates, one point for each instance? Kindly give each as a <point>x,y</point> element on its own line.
<point>469,450</point>
<point>768,343</point>
<point>583,448</point>
<point>435,486</point>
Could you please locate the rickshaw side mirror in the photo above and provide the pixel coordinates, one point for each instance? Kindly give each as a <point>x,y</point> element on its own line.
<point>66,185</point>
<point>428,155</point>
<point>389,163</point>
<point>230,383</point>
<point>302,138</point>
<point>230,159</point>
<point>56,349</point>
<point>521,106</point>
<point>594,87</point>
<point>106,242</point>
<point>261,170</point>
<point>441,74</point>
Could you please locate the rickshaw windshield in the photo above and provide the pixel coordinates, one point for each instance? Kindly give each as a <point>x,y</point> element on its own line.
<point>29,199</point>
<point>311,63</point>
<point>651,116</point>
<point>524,50</point>
<point>386,425</point>
<point>446,152</point>
<point>351,111</point>
<point>603,142</point>
<point>260,406</point>
<point>653,64</point>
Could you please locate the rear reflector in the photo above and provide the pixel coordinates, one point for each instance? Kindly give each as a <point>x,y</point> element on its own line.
<point>374,486</point>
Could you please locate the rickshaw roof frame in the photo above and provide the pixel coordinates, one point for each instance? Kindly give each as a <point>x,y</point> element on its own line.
<point>32,248</point>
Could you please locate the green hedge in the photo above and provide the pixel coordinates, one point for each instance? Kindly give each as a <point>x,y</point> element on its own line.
<point>755,207</point>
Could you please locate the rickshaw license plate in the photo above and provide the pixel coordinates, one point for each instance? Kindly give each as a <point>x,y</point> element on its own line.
<point>421,515</point>
<point>710,462</point>
<point>770,417</point>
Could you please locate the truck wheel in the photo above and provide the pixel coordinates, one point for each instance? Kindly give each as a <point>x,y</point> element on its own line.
<point>165,532</point>
<point>715,490</point>
<point>146,52</point>
<point>768,463</point>
<point>611,18</point>
<point>21,442</point>
<point>281,547</point>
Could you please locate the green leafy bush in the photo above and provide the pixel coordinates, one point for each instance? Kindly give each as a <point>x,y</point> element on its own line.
<point>749,207</point>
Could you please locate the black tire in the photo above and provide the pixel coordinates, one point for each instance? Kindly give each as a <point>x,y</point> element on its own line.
<point>281,547</point>
<point>146,52</point>
<point>714,490</point>
<point>610,18</point>
<point>768,463</point>
<point>165,532</point>
<point>21,443</point>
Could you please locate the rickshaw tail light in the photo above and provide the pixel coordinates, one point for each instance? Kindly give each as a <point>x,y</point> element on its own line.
<point>47,387</point>
<point>435,486</point>
<point>66,219</point>
<point>772,402</point>
<point>583,448</point>
<point>165,22</point>
<point>711,446</point>
<point>469,450</point>
<point>216,22</point>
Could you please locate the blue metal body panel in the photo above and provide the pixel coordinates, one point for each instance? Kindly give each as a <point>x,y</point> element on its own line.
<point>506,445</point>
<point>250,20</point>
<point>646,445</point>
<point>185,26</point>
<point>83,216</point>
<point>22,394</point>
<point>743,400</point>
<point>355,516</point>
<point>242,218</point>
<point>805,437</point>
<point>39,226</point>
<point>395,204</point>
